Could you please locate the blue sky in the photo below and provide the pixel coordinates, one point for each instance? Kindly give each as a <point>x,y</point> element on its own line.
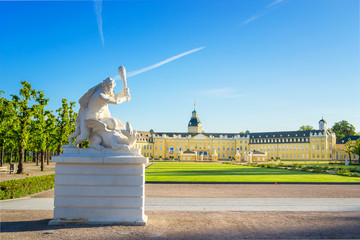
<point>262,65</point>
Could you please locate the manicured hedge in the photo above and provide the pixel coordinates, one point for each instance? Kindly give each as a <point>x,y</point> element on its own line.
<point>22,187</point>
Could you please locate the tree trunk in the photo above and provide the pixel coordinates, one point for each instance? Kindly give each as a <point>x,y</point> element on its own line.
<point>42,160</point>
<point>21,160</point>
<point>34,156</point>
<point>10,156</point>
<point>59,149</point>
<point>37,158</point>
<point>2,155</point>
<point>47,157</point>
<point>349,158</point>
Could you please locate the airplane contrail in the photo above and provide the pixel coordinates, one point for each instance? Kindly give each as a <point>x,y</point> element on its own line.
<point>98,8</point>
<point>133,73</point>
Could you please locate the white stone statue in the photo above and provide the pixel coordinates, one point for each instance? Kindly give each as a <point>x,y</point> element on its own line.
<point>94,121</point>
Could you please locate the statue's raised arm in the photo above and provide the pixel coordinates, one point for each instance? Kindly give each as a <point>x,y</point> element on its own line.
<point>109,132</point>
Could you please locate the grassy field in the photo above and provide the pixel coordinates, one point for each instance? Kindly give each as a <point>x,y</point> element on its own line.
<point>216,172</point>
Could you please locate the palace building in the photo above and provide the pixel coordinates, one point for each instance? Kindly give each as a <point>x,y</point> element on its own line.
<point>199,145</point>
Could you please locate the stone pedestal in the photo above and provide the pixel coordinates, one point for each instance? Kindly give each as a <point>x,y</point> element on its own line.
<point>99,187</point>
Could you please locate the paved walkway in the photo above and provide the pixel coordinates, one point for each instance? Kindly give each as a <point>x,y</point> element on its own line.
<point>213,204</point>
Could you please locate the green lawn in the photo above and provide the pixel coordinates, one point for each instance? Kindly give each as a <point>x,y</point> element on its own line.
<point>216,172</point>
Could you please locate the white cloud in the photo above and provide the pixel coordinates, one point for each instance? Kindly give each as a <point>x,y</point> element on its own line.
<point>253,18</point>
<point>98,9</point>
<point>268,8</point>
<point>133,73</point>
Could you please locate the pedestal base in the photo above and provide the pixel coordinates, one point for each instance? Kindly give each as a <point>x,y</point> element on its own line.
<point>128,222</point>
<point>99,187</point>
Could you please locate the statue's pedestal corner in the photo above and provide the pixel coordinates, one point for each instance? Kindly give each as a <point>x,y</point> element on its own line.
<point>127,222</point>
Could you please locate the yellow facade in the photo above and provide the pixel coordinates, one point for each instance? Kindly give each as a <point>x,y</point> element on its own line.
<point>340,149</point>
<point>189,156</point>
<point>256,156</point>
<point>297,145</point>
<point>318,145</point>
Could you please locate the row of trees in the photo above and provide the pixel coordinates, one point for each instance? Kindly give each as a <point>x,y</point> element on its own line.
<point>27,127</point>
<point>341,129</point>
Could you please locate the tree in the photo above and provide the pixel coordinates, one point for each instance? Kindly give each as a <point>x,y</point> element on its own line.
<point>65,123</point>
<point>306,128</point>
<point>40,116</point>
<point>6,121</point>
<point>23,114</point>
<point>50,135</point>
<point>343,129</point>
<point>356,149</point>
<point>349,148</point>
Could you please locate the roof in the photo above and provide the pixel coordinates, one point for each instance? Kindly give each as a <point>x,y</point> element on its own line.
<point>185,134</point>
<point>189,152</point>
<point>322,120</point>
<point>194,122</point>
<point>257,152</point>
<point>143,136</point>
<point>345,139</point>
<point>284,134</point>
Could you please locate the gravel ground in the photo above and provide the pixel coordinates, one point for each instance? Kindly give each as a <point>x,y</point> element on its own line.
<point>192,225</point>
<point>17,224</point>
<point>243,191</point>
<point>30,170</point>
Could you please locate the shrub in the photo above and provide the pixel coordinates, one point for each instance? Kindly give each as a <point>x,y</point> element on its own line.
<point>343,172</point>
<point>353,169</point>
<point>305,169</point>
<point>298,165</point>
<point>22,187</point>
<point>318,170</point>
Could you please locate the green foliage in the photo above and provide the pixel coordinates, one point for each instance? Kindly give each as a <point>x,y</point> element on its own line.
<point>355,149</point>
<point>347,172</point>
<point>22,187</point>
<point>25,124</point>
<point>65,122</point>
<point>343,129</point>
<point>306,128</point>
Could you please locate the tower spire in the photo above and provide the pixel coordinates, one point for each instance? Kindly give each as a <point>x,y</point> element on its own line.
<point>194,104</point>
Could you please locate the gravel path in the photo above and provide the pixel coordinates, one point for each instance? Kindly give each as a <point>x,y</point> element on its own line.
<point>192,225</point>
<point>30,170</point>
<point>243,191</point>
